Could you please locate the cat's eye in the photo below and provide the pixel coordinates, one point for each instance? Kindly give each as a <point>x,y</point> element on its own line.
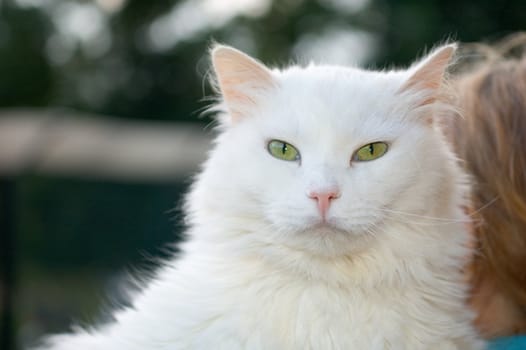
<point>283,150</point>
<point>370,151</point>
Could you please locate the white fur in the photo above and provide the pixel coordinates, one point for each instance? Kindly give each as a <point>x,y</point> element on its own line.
<point>259,272</point>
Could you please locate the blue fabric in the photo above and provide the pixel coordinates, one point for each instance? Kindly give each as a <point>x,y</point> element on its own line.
<point>509,343</point>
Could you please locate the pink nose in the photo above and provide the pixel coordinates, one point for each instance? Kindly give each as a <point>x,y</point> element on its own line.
<point>324,200</point>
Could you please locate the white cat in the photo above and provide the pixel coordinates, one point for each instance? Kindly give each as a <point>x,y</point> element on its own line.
<point>328,216</point>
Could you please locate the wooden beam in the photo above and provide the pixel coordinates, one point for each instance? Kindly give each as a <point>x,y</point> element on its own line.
<point>68,143</point>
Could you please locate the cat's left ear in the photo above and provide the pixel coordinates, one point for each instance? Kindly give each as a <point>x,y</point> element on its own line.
<point>242,80</point>
<point>427,76</point>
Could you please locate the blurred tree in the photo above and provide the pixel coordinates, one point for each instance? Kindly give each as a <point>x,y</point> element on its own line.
<point>413,25</point>
<point>119,70</point>
<point>27,78</point>
<point>69,223</point>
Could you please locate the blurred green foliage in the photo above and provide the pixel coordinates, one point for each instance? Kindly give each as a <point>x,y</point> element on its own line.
<point>138,82</point>
<point>72,223</point>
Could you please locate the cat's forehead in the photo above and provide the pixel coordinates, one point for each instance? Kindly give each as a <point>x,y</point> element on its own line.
<point>342,102</point>
<point>332,90</point>
<point>326,79</point>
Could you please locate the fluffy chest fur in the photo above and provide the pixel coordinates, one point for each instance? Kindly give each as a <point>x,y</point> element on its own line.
<point>249,303</point>
<point>378,300</point>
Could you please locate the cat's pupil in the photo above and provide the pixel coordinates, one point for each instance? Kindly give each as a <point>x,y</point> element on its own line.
<point>284,148</point>
<point>371,149</point>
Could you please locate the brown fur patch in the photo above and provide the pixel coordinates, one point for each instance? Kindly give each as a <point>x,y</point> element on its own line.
<point>491,140</point>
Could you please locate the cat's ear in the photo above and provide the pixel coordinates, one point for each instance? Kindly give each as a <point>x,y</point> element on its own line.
<point>427,76</point>
<point>241,79</point>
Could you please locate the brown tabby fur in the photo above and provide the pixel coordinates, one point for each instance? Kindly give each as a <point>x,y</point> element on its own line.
<point>490,139</point>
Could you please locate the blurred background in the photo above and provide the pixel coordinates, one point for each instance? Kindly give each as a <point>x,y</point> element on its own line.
<point>100,130</point>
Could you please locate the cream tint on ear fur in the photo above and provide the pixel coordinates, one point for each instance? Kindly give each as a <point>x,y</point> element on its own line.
<point>241,79</point>
<point>327,217</point>
<point>428,75</point>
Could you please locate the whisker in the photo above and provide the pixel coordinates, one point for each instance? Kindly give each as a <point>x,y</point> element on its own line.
<point>434,221</point>
<point>484,206</point>
<point>433,218</point>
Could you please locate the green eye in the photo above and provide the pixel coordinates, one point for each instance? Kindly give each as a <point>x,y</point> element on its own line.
<point>283,150</point>
<point>370,152</point>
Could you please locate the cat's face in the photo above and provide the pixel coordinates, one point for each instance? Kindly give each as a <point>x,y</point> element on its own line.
<point>323,156</point>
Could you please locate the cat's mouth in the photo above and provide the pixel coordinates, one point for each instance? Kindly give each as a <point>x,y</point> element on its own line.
<point>325,225</point>
<point>337,226</point>
<point>330,239</point>
<point>328,227</point>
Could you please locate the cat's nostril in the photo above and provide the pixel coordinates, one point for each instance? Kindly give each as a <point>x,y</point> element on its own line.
<point>320,195</point>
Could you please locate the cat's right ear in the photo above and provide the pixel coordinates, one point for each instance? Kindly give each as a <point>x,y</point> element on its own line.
<point>242,80</point>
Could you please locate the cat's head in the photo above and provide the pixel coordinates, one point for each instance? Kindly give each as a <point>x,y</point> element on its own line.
<point>322,157</point>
